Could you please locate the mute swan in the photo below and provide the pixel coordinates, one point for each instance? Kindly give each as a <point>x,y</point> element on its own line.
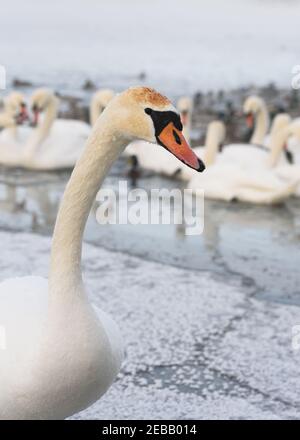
<point>98,103</point>
<point>185,108</point>
<point>52,144</point>
<point>150,158</point>
<point>257,114</point>
<point>255,180</point>
<point>55,143</point>
<point>61,355</point>
<point>283,168</point>
<point>15,110</point>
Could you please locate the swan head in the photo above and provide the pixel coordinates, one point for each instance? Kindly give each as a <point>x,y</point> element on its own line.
<point>40,100</point>
<point>185,108</point>
<point>252,106</point>
<point>141,113</point>
<point>15,105</point>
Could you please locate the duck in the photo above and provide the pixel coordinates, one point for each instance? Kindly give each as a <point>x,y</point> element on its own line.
<point>61,353</point>
<point>99,101</point>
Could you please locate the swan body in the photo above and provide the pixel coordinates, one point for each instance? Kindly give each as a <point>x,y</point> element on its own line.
<point>227,182</point>
<point>52,144</point>
<point>59,354</point>
<point>261,176</point>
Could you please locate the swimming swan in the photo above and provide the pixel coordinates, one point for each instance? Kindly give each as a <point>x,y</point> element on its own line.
<point>257,179</point>
<point>61,354</point>
<point>15,112</point>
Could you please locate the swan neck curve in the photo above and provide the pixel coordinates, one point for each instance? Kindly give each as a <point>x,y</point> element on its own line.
<point>41,132</point>
<point>211,146</point>
<point>277,143</point>
<point>101,150</point>
<point>261,125</point>
<point>94,110</point>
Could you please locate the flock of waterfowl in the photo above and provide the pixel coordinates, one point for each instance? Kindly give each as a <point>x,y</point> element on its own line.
<point>264,171</point>
<point>61,354</point>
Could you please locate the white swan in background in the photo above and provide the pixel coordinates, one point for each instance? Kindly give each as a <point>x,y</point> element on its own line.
<point>61,354</point>
<point>158,160</point>
<point>99,101</point>
<point>257,115</point>
<point>185,108</point>
<point>15,112</point>
<point>283,168</point>
<point>215,136</point>
<point>258,118</point>
<point>256,179</point>
<point>244,155</point>
<point>52,144</point>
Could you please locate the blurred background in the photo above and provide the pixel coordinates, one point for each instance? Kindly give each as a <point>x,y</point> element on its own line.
<point>216,53</point>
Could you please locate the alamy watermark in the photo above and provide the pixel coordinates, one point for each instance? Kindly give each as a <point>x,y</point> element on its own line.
<point>155,207</point>
<point>2,77</point>
<point>296,77</point>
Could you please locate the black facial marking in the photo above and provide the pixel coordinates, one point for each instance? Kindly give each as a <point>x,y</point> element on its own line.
<point>162,119</point>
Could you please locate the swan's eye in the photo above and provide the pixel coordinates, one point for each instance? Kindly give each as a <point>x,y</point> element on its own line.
<point>148,111</point>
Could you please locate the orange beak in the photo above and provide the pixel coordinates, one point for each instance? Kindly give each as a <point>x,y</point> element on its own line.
<point>249,120</point>
<point>173,140</point>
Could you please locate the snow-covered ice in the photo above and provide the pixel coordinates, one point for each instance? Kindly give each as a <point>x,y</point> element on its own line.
<point>196,347</point>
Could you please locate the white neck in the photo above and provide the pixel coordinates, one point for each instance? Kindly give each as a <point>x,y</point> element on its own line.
<point>212,143</point>
<point>261,125</point>
<point>41,132</point>
<point>94,110</point>
<point>187,128</point>
<point>102,148</point>
<point>277,142</point>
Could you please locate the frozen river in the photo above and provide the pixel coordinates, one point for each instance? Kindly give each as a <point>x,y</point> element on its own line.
<point>207,321</point>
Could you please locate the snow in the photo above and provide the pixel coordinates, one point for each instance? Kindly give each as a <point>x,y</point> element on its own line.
<point>181,46</point>
<point>195,347</point>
